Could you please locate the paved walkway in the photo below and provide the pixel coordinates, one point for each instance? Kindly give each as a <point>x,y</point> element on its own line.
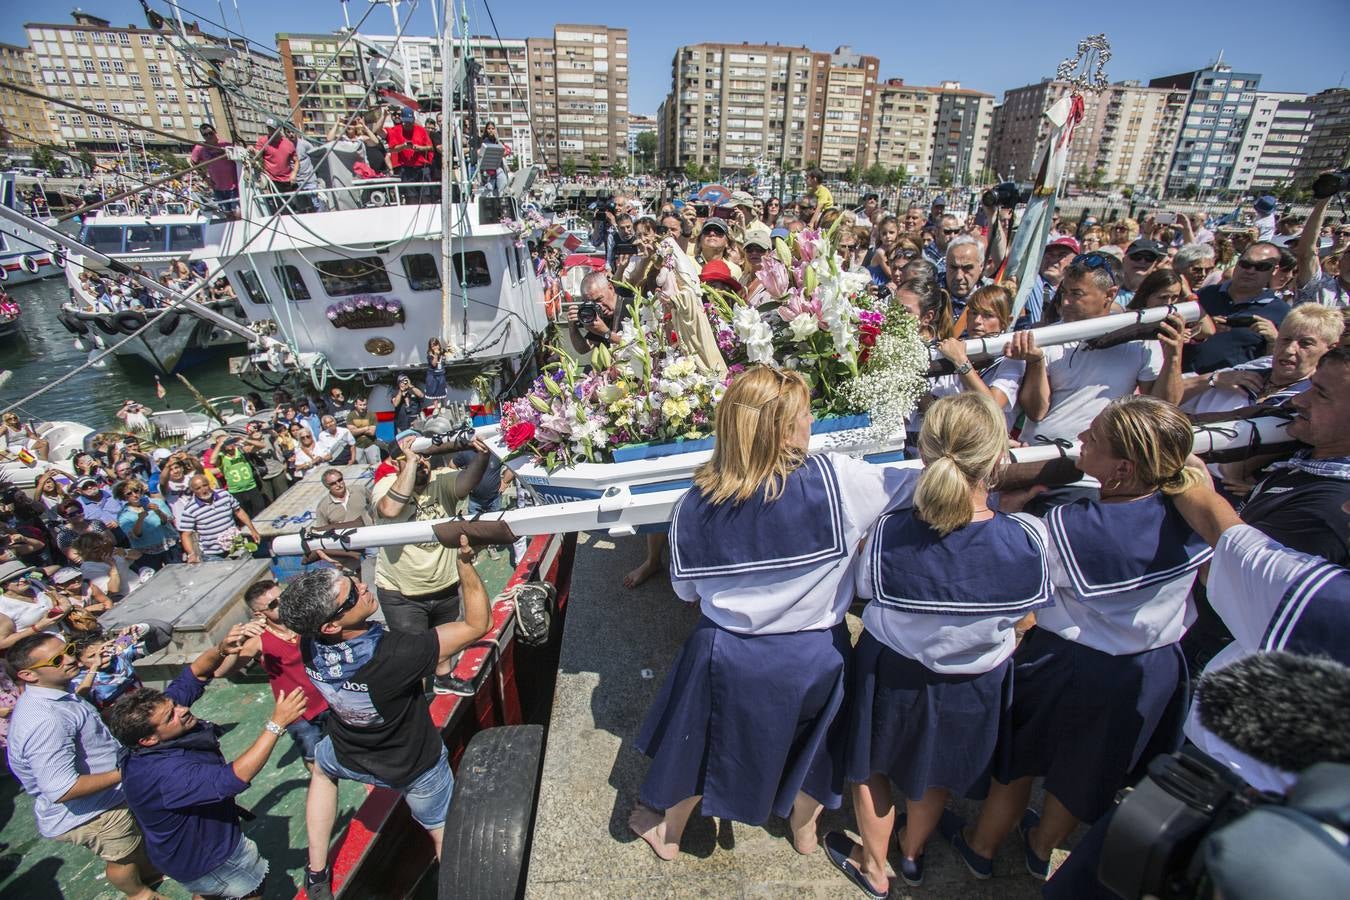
<point>617,648</point>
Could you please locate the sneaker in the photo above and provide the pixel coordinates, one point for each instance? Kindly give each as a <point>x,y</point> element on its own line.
<point>911,870</point>
<point>318,885</point>
<point>1036,867</point>
<point>449,684</point>
<point>951,825</point>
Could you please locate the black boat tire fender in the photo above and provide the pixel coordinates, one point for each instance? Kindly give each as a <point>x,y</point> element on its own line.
<point>104,324</point>
<point>129,320</point>
<point>491,816</point>
<point>30,264</point>
<point>72,324</point>
<point>168,322</point>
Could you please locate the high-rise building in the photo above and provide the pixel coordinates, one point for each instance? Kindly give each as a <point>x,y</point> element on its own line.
<point>637,124</point>
<point>902,127</point>
<point>1328,144</point>
<point>1216,117</point>
<point>149,77</point>
<point>1272,145</point>
<point>327,78</point>
<point>24,120</point>
<point>578,88</point>
<point>850,95</point>
<point>962,119</point>
<point>1126,138</point>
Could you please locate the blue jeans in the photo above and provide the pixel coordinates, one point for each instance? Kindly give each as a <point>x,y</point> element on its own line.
<point>428,795</point>
<point>239,876</point>
<point>307,733</point>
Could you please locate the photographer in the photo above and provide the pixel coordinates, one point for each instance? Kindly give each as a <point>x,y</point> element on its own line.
<point>604,234</point>
<point>597,317</point>
<point>1314,284</point>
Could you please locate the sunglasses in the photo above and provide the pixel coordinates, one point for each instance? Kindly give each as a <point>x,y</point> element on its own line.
<point>1143,256</point>
<point>907,254</point>
<point>352,599</point>
<point>66,649</point>
<point>271,606</point>
<point>951,231</point>
<point>335,480</point>
<point>1098,261</point>
<point>1266,265</point>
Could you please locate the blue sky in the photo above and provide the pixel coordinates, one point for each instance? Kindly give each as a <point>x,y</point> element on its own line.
<point>988,46</point>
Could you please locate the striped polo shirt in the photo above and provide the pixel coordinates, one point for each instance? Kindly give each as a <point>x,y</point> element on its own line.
<point>209,520</point>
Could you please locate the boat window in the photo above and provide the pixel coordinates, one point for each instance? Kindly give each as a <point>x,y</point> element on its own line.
<point>185,237</point>
<point>516,264</point>
<point>422,272</point>
<point>471,269</point>
<point>141,238</point>
<point>253,289</point>
<point>360,275</point>
<point>104,238</point>
<point>292,285</point>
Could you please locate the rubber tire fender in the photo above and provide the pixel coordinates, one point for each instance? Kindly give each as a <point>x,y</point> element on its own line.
<point>4,274</point>
<point>169,321</point>
<point>129,320</point>
<point>72,323</point>
<point>487,829</point>
<point>30,264</point>
<point>103,324</point>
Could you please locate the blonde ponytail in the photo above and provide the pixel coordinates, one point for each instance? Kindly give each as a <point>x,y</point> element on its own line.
<point>964,438</point>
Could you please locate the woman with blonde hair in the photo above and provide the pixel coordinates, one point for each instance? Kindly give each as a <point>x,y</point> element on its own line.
<point>946,580</point>
<point>1101,680</point>
<point>764,541</point>
<point>1093,239</point>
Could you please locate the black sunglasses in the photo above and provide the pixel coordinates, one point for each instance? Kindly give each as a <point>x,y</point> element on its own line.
<point>349,603</point>
<point>1096,260</point>
<point>951,231</point>
<point>1265,265</point>
<point>333,481</point>
<point>1143,256</point>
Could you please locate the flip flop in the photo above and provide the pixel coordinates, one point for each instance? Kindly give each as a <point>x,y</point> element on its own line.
<point>838,847</point>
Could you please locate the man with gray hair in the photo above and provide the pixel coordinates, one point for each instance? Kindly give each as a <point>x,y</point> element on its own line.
<point>1194,262</point>
<point>964,269</point>
<point>380,730</point>
<point>944,230</point>
<point>587,332</point>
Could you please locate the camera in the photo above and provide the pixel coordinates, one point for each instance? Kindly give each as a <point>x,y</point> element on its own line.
<point>1329,184</point>
<point>587,312</point>
<point>626,248</point>
<point>1006,195</point>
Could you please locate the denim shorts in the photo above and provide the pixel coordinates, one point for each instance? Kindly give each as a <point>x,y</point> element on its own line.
<point>307,733</point>
<point>239,876</point>
<point>428,795</point>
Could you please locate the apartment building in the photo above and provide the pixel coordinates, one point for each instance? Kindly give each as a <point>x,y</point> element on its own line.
<point>1126,138</point>
<point>1328,145</point>
<point>1219,105</point>
<point>23,120</point>
<point>578,95</point>
<point>962,121</point>
<point>637,124</point>
<point>327,78</point>
<point>850,97</point>
<point>150,77</point>
<point>902,127</point>
<point>1272,145</point>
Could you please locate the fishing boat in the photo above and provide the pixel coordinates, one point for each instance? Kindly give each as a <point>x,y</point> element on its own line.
<point>9,316</point>
<point>175,340</point>
<point>24,255</point>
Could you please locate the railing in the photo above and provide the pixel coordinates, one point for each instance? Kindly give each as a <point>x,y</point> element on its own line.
<point>365,193</point>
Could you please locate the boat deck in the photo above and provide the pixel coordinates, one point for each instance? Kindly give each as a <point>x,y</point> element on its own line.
<point>34,867</point>
<point>582,846</point>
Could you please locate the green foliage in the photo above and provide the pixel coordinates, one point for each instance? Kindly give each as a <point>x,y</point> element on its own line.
<point>568,167</point>
<point>646,148</point>
<point>594,160</point>
<point>87,159</point>
<point>46,159</point>
<point>620,168</point>
<point>946,176</point>
<point>692,170</point>
<point>1190,191</point>
<point>898,176</point>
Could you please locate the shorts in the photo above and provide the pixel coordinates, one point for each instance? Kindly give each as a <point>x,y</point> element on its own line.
<point>428,795</point>
<point>307,733</point>
<point>239,876</point>
<point>113,836</point>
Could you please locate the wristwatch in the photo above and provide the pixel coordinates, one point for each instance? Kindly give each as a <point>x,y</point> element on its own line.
<point>964,368</point>
<point>274,728</point>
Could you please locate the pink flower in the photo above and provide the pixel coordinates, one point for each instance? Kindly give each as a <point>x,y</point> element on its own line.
<point>773,275</point>
<point>795,305</point>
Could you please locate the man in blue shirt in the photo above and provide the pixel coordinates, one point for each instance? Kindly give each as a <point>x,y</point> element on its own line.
<point>1246,313</point>
<point>179,785</point>
<point>65,758</point>
<point>97,501</point>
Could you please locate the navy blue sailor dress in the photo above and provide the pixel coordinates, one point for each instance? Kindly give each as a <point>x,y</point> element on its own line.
<point>932,680</point>
<point>749,714</point>
<point>1102,685</point>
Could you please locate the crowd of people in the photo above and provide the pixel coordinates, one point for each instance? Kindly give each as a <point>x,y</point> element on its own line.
<point>1008,634</point>
<point>110,292</point>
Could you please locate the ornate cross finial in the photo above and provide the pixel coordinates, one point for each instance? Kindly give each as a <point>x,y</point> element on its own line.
<point>1086,71</point>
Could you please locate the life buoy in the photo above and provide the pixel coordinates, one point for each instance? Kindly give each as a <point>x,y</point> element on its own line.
<point>59,257</point>
<point>168,322</point>
<point>30,264</point>
<point>129,320</point>
<point>102,323</point>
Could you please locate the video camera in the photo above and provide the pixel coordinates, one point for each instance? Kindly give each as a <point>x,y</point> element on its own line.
<point>1006,195</point>
<point>1329,184</point>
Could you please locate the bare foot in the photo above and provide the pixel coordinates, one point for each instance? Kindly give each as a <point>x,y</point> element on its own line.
<point>650,825</point>
<point>641,573</point>
<point>803,825</point>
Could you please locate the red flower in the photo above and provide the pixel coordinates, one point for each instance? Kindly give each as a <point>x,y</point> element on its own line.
<point>518,435</point>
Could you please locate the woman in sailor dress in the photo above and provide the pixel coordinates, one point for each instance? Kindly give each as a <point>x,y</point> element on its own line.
<point>1101,681</point>
<point>765,541</point>
<point>947,582</point>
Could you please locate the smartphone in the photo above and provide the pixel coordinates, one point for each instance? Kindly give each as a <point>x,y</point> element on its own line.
<point>702,210</point>
<point>145,502</point>
<point>1165,218</point>
<point>724,212</point>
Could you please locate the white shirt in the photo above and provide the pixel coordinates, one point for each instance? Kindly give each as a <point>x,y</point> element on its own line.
<point>330,445</point>
<point>1083,381</point>
<point>786,601</point>
<point>1003,374</point>
<point>1325,290</point>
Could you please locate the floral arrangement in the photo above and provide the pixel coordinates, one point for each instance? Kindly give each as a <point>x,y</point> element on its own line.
<point>804,313</point>
<point>236,544</point>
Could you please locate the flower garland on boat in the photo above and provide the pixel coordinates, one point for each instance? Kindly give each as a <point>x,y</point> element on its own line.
<point>807,314</point>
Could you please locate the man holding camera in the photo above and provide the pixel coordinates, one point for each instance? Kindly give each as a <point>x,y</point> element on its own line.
<point>596,318</point>
<point>1314,284</point>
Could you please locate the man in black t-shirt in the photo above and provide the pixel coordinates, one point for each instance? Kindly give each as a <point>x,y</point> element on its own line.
<point>1245,311</point>
<point>380,730</point>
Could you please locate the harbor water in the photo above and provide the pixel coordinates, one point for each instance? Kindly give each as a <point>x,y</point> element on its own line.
<point>43,351</point>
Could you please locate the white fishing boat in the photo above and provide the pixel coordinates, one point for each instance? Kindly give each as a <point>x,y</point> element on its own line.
<point>175,340</point>
<point>24,255</point>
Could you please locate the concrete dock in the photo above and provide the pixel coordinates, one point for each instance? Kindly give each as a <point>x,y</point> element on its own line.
<point>617,648</point>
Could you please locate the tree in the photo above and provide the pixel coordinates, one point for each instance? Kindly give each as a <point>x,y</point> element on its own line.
<point>898,176</point>
<point>708,173</point>
<point>1094,180</point>
<point>646,148</point>
<point>45,159</point>
<point>945,177</point>
<point>620,168</point>
<point>692,170</point>
<point>569,167</point>
<point>1189,191</point>
<point>87,160</point>
<point>875,174</point>
<point>594,160</point>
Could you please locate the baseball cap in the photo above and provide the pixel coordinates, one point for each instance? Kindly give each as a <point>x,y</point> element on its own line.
<point>1066,241</point>
<point>406,115</point>
<point>159,454</point>
<point>1144,245</point>
<point>713,225</point>
<point>1112,251</point>
<point>65,575</point>
<point>407,433</point>
<point>719,273</point>
<point>86,481</point>
<point>780,233</point>
<point>758,235</point>
<point>742,198</point>
<point>939,200</point>
<point>1266,205</point>
<point>205,127</point>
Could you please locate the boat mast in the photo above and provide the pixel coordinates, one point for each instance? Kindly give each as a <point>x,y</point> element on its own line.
<point>449,127</point>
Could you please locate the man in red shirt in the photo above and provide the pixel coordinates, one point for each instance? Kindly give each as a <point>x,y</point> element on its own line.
<point>410,155</point>
<point>220,171</point>
<point>279,159</point>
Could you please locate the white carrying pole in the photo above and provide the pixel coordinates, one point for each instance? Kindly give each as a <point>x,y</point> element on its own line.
<point>1068,332</point>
